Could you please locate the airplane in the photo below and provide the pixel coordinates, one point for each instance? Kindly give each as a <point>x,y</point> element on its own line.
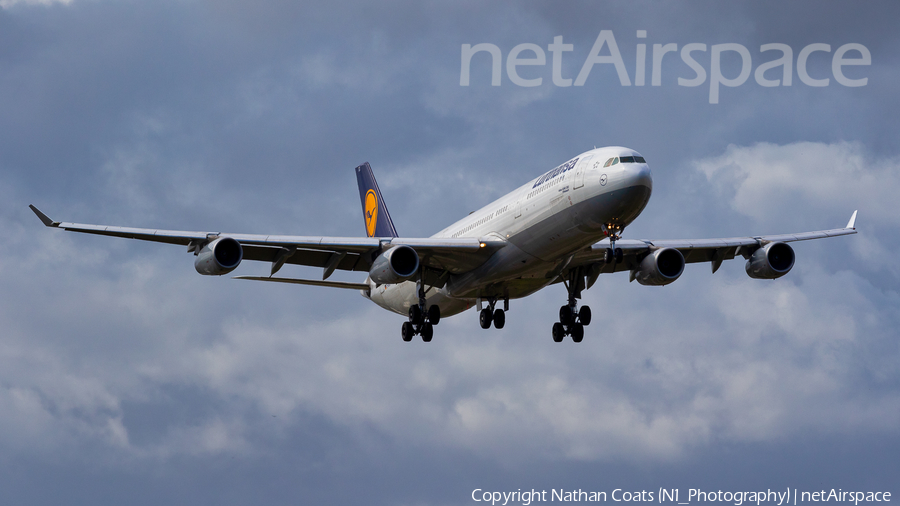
<point>565,226</point>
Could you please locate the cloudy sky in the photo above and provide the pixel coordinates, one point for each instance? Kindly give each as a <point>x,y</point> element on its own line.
<point>127,378</point>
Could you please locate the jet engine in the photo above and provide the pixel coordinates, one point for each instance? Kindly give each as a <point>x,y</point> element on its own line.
<point>661,267</point>
<point>770,261</point>
<point>219,257</point>
<point>395,265</point>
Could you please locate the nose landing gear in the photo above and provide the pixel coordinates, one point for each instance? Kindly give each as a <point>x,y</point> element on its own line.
<point>613,254</point>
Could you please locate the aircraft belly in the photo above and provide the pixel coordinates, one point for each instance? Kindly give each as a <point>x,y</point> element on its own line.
<point>508,263</point>
<point>516,288</point>
<point>398,297</point>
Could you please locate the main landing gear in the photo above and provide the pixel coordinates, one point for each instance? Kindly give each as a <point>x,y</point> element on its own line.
<point>493,315</point>
<point>572,320</point>
<point>421,322</point>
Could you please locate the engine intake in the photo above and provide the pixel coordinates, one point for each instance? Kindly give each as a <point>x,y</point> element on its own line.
<point>219,257</point>
<point>770,261</point>
<point>395,265</point>
<point>661,267</point>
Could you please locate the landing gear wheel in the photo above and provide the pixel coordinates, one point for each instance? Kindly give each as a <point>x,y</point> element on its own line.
<point>613,254</point>
<point>558,332</point>
<point>427,332</point>
<point>434,314</point>
<point>608,256</point>
<point>577,331</point>
<point>584,315</point>
<point>407,331</point>
<point>415,315</point>
<point>499,318</point>
<point>485,318</point>
<point>565,315</point>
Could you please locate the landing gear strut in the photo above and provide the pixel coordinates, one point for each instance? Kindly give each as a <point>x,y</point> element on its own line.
<point>572,320</point>
<point>613,254</point>
<point>421,322</point>
<point>492,314</point>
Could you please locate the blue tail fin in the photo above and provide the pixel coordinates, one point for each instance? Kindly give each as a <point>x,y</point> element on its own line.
<point>378,220</point>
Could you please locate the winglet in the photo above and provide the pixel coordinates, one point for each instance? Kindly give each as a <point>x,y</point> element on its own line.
<point>43,217</point>
<point>852,222</point>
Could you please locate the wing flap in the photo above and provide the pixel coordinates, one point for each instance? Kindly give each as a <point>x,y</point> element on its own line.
<point>311,258</point>
<point>313,282</point>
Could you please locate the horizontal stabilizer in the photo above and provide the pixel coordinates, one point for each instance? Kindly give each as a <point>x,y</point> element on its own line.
<point>313,282</point>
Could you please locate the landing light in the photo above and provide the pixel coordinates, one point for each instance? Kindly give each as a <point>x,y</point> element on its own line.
<point>482,244</point>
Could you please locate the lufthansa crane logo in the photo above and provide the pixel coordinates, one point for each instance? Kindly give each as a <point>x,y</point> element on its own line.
<point>371,212</point>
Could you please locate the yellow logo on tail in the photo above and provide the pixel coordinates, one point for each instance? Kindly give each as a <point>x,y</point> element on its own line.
<point>371,212</point>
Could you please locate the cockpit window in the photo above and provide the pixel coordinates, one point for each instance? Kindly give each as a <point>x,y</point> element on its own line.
<point>608,162</point>
<point>615,160</point>
<point>632,159</point>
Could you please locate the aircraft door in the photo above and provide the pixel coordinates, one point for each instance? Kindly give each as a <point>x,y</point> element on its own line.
<point>578,181</point>
<point>518,208</point>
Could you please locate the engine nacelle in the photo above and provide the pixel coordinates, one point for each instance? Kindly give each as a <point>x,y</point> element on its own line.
<point>661,267</point>
<point>219,257</point>
<point>395,265</point>
<point>770,261</point>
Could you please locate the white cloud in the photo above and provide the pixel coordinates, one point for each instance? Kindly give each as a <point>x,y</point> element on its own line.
<point>769,180</point>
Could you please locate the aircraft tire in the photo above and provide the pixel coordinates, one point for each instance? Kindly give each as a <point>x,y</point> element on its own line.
<point>577,331</point>
<point>427,332</point>
<point>558,332</point>
<point>565,315</point>
<point>415,315</point>
<point>499,318</point>
<point>608,256</point>
<point>434,314</point>
<point>407,331</point>
<point>619,255</point>
<point>584,315</point>
<point>485,318</point>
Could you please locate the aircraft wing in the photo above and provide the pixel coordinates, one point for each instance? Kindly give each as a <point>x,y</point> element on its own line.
<point>693,250</point>
<point>438,255</point>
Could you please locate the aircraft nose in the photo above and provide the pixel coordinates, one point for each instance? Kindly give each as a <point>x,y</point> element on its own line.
<point>638,174</point>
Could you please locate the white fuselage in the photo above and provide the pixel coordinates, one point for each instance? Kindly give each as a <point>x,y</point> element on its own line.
<point>544,222</point>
